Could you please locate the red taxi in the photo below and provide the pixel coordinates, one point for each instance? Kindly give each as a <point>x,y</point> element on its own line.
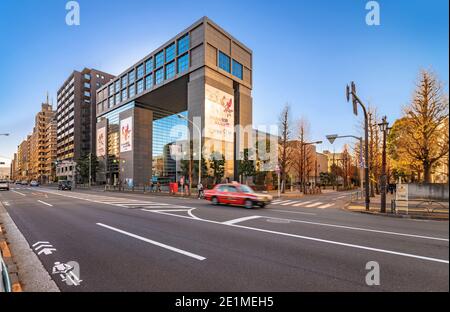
<point>237,194</point>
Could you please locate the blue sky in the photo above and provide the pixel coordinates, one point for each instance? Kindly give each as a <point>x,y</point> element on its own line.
<point>305,52</point>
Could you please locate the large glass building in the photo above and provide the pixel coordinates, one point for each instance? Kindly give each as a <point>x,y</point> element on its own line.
<point>200,79</point>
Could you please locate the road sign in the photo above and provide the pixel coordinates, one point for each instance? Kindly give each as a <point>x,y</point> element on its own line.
<point>331,138</point>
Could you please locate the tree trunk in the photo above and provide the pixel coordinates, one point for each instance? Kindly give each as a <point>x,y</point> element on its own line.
<point>426,172</point>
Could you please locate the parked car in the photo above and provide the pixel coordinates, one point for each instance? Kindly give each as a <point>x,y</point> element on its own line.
<point>18,182</point>
<point>64,185</point>
<point>34,183</point>
<point>24,182</point>
<point>4,185</point>
<point>237,194</point>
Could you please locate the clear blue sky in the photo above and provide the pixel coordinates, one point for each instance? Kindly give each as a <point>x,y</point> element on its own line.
<point>304,52</point>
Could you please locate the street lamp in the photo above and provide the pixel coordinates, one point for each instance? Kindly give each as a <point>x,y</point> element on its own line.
<point>199,146</point>
<point>304,161</point>
<point>351,92</point>
<point>383,128</point>
<point>332,137</point>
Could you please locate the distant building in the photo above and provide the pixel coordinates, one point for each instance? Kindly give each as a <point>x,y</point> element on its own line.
<point>76,118</point>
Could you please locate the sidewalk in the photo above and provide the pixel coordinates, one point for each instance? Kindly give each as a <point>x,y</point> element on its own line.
<point>416,209</point>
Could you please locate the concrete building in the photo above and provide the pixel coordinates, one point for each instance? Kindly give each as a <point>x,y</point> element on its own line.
<point>42,143</point>
<point>204,74</point>
<point>23,159</point>
<point>76,118</point>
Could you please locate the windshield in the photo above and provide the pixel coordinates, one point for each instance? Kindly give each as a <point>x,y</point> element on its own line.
<point>246,189</point>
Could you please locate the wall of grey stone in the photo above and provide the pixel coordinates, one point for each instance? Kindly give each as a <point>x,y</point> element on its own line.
<point>428,191</point>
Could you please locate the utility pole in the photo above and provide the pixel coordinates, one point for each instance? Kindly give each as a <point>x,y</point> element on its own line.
<point>90,169</point>
<point>384,128</point>
<point>351,91</point>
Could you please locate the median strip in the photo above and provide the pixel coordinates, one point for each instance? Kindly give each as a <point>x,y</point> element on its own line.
<point>174,249</point>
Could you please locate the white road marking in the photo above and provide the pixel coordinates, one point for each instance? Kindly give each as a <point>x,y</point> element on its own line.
<point>239,220</point>
<point>298,212</point>
<point>326,206</point>
<point>18,193</point>
<point>314,204</point>
<point>43,202</point>
<point>341,196</point>
<point>180,251</point>
<point>303,203</point>
<point>283,201</point>
<point>289,202</point>
<point>276,201</point>
<point>324,241</point>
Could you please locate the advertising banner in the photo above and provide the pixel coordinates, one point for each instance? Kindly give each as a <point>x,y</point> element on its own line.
<point>101,142</point>
<point>219,114</point>
<point>126,135</point>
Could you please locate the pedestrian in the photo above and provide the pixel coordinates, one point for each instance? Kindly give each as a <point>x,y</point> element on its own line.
<point>158,187</point>
<point>200,190</point>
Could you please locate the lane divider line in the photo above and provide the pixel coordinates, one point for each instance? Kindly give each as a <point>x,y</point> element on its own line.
<point>47,204</point>
<point>18,193</point>
<point>322,240</point>
<point>174,249</point>
<point>239,220</point>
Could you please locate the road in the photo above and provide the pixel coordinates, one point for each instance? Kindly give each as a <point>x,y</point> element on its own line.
<point>131,242</point>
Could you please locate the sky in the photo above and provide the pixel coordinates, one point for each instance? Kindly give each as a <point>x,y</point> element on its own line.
<point>304,53</point>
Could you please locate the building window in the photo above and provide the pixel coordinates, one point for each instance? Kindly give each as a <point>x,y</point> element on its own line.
<point>117,84</point>
<point>87,76</point>
<point>159,76</point>
<point>237,69</point>
<point>149,82</point>
<point>111,102</point>
<point>149,66</point>
<point>87,93</point>
<point>132,91</point>
<point>224,61</point>
<point>117,98</point>
<point>159,59</point>
<point>124,94</point>
<point>131,77</point>
<point>124,81</point>
<point>140,86</point>
<point>183,63</point>
<point>183,44</point>
<point>140,71</point>
<point>111,89</point>
<point>87,85</point>
<point>170,52</point>
<point>170,70</point>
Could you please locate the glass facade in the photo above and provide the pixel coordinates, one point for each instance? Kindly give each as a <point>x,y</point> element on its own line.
<point>140,71</point>
<point>124,81</point>
<point>224,62</point>
<point>159,76</point>
<point>159,59</point>
<point>131,91</point>
<point>237,69</point>
<point>170,70</point>
<point>149,66</point>
<point>183,44</point>
<point>164,168</point>
<point>148,82</point>
<point>140,86</point>
<point>131,77</point>
<point>183,63</point>
<point>170,52</point>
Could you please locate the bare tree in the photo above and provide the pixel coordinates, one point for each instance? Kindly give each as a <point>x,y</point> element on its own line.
<point>285,152</point>
<point>423,135</point>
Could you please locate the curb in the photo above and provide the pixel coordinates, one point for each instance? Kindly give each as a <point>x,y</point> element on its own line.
<point>410,216</point>
<point>10,264</point>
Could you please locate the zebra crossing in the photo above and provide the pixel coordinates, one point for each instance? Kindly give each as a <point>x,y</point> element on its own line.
<point>317,203</point>
<point>116,201</point>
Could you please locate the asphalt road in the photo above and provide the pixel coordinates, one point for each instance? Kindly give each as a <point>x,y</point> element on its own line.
<point>129,242</point>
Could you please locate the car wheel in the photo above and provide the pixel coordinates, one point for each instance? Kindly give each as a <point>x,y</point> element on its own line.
<point>215,201</point>
<point>262,205</point>
<point>248,204</point>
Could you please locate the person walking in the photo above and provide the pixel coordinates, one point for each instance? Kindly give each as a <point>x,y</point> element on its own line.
<point>200,190</point>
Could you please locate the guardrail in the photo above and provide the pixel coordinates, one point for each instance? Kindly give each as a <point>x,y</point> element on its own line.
<point>5,282</point>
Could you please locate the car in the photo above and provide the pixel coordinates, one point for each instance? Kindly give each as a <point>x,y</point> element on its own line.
<point>34,183</point>
<point>18,182</point>
<point>4,185</point>
<point>24,182</point>
<point>64,185</point>
<point>237,194</point>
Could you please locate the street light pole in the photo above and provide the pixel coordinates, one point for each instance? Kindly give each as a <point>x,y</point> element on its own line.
<point>90,169</point>
<point>356,100</point>
<point>384,128</point>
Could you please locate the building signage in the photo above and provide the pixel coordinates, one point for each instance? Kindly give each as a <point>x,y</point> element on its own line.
<point>101,142</point>
<point>219,114</point>
<point>126,135</point>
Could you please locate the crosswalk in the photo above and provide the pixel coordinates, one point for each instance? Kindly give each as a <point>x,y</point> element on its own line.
<point>116,201</point>
<point>317,203</point>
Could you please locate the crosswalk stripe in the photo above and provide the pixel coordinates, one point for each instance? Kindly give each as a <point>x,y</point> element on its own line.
<point>302,203</point>
<point>276,201</point>
<point>326,206</point>
<point>289,202</point>
<point>284,201</point>
<point>314,204</point>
